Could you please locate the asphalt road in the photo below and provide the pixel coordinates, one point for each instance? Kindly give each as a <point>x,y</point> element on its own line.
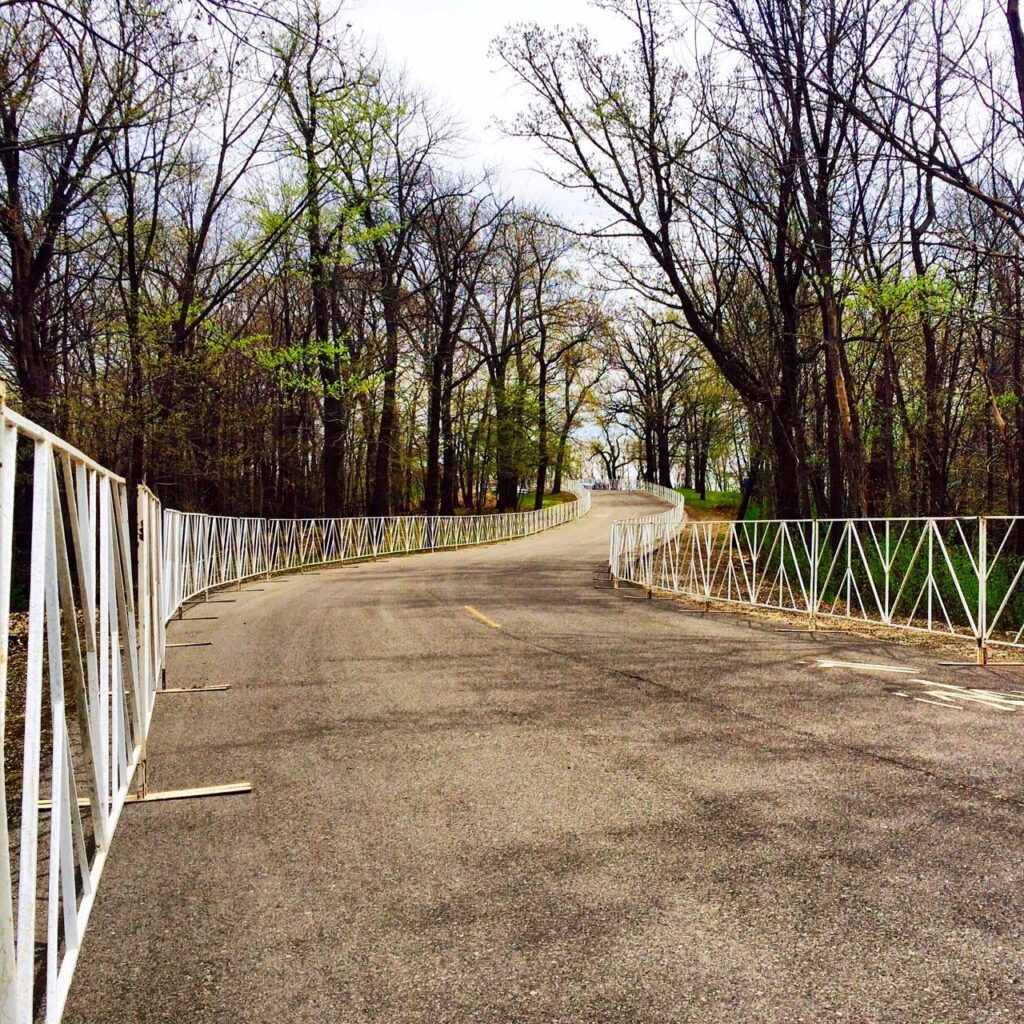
<point>604,809</point>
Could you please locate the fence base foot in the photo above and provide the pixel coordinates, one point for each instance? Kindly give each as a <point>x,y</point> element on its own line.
<point>198,792</point>
<point>817,629</point>
<point>144,797</point>
<point>195,689</point>
<point>978,664</point>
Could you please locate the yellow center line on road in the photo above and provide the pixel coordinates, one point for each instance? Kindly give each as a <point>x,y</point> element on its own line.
<point>480,615</point>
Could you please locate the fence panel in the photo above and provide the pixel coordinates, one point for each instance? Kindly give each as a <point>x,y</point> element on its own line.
<point>636,542</point>
<point>957,576</point>
<point>202,552</point>
<point>1001,580</point>
<point>77,700</point>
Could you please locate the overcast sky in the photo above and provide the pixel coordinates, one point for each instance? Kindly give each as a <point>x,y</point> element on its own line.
<point>444,46</point>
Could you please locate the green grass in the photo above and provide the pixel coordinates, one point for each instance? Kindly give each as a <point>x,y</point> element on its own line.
<point>716,504</point>
<point>526,500</point>
<point>714,499</point>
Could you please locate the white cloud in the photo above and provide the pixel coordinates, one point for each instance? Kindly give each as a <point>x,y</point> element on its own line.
<point>444,46</point>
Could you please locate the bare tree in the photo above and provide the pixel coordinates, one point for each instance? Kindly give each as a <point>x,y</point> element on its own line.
<point>456,239</point>
<point>391,184</point>
<point>65,84</point>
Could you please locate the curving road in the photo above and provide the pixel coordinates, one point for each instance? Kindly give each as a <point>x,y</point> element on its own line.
<point>600,808</point>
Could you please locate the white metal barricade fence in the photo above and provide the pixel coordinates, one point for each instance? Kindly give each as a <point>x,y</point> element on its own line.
<point>961,576</point>
<point>80,679</point>
<point>78,694</point>
<point>80,675</point>
<point>635,542</point>
<point>202,552</point>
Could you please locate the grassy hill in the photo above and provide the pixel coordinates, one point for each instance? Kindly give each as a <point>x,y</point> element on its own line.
<point>716,504</point>
<point>526,500</point>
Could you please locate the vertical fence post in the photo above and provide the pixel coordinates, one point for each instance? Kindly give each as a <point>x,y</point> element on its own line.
<point>8,989</point>
<point>888,573</point>
<point>931,567</point>
<point>814,574</point>
<point>706,555</point>
<point>982,621</point>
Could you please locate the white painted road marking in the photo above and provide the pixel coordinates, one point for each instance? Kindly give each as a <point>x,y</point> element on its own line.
<point>863,666</point>
<point>939,703</point>
<point>944,695</point>
<point>990,698</point>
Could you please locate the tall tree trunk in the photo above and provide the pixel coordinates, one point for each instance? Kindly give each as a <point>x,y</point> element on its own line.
<point>852,457</point>
<point>448,476</point>
<point>563,444</point>
<point>650,453</point>
<point>833,438</point>
<point>787,462</point>
<point>505,443</point>
<point>786,423</point>
<point>380,498</point>
<point>435,399</point>
<point>933,496</point>
<point>542,434</point>
<point>881,458</point>
<point>370,433</point>
<point>664,454</point>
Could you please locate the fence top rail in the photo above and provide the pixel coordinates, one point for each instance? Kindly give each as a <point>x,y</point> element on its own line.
<point>719,523</point>
<point>671,497</point>
<point>653,517</point>
<point>483,517</point>
<point>38,433</point>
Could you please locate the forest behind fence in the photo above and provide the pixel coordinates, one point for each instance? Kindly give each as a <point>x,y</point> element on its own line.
<point>243,261</point>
